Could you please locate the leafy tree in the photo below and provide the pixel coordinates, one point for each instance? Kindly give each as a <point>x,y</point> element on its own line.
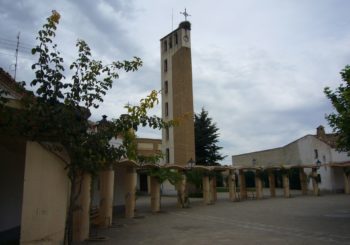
<point>206,139</point>
<point>340,120</point>
<point>163,174</point>
<point>60,111</point>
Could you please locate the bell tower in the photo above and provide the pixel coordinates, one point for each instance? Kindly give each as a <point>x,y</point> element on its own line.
<point>178,143</point>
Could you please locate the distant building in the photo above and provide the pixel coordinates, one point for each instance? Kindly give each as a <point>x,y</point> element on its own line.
<point>315,150</point>
<point>147,147</point>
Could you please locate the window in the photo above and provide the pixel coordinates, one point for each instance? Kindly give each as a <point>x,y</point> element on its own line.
<point>170,42</point>
<point>165,65</point>
<point>166,109</point>
<point>167,154</point>
<point>165,45</point>
<point>167,133</point>
<point>316,153</point>
<point>176,39</point>
<point>166,87</point>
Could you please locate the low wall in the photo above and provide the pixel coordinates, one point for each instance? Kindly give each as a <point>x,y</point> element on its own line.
<point>45,198</point>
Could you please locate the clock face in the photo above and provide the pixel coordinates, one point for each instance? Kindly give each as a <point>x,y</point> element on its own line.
<point>186,38</point>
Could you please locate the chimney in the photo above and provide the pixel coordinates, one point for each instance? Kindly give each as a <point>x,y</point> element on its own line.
<point>320,133</point>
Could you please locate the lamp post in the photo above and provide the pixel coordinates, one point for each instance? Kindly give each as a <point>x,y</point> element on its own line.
<point>318,163</point>
<point>190,164</point>
<point>254,161</point>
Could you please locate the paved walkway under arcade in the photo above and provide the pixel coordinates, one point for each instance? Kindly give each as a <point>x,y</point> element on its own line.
<point>295,220</point>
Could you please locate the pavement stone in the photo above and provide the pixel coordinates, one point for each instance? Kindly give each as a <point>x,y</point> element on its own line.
<point>296,220</point>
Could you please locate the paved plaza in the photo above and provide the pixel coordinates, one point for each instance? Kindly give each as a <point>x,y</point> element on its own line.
<point>296,220</point>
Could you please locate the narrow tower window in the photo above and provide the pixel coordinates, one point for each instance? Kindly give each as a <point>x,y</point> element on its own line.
<point>176,39</point>
<point>166,87</point>
<point>166,109</point>
<point>165,65</point>
<point>165,45</point>
<point>170,41</point>
<point>167,155</point>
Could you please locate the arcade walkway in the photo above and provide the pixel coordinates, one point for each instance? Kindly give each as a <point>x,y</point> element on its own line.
<point>296,220</point>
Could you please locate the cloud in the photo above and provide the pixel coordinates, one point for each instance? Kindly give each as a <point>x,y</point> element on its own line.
<point>264,100</point>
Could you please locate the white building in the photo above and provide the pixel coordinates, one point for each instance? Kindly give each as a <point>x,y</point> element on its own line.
<point>316,149</point>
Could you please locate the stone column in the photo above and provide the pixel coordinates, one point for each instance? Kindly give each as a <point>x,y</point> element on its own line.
<point>232,186</point>
<point>242,186</point>
<point>155,194</point>
<point>272,183</point>
<point>286,190</point>
<point>346,182</point>
<point>206,190</point>
<point>303,181</point>
<point>106,197</point>
<point>315,188</point>
<point>258,185</point>
<point>130,193</point>
<point>182,193</point>
<point>213,192</point>
<point>81,214</point>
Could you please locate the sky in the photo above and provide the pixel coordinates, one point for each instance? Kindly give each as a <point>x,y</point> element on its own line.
<point>259,67</point>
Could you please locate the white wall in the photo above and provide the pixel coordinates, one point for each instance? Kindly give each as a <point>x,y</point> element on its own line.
<point>308,145</point>
<point>337,178</point>
<point>339,156</point>
<point>119,186</point>
<point>326,178</point>
<point>291,154</point>
<point>45,196</point>
<point>263,158</point>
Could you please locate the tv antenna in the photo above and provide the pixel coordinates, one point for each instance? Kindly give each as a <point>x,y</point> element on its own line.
<point>16,55</point>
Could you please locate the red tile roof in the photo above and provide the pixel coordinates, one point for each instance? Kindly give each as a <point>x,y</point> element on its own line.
<point>10,84</point>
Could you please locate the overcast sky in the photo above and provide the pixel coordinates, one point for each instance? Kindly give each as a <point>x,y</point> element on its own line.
<point>259,67</point>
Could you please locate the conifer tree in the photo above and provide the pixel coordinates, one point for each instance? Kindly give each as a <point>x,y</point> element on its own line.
<point>206,139</point>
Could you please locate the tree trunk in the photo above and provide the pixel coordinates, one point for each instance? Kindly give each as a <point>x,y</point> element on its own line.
<point>77,181</point>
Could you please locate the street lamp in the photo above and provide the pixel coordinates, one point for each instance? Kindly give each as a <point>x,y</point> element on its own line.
<point>190,163</point>
<point>254,161</point>
<point>318,163</point>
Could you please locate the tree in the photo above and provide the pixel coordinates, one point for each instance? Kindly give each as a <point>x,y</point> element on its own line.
<point>206,139</point>
<point>60,110</point>
<point>340,120</point>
